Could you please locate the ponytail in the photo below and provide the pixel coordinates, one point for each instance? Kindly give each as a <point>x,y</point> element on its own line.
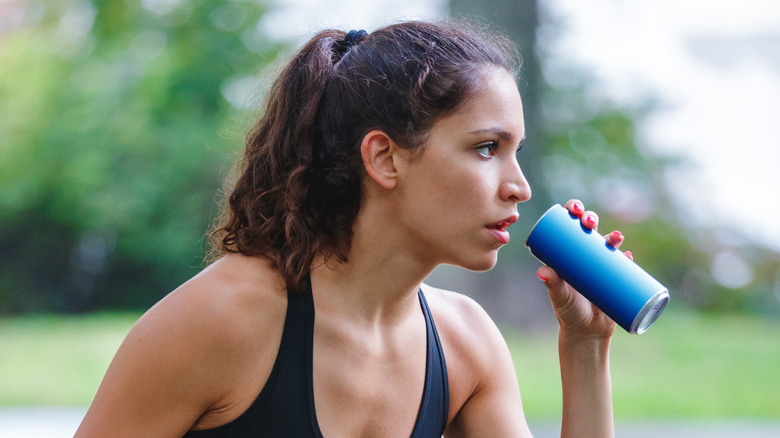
<point>266,212</point>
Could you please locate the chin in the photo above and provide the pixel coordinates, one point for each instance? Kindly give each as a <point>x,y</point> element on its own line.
<point>480,265</point>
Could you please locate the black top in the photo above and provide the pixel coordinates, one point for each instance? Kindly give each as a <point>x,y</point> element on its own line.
<point>285,406</point>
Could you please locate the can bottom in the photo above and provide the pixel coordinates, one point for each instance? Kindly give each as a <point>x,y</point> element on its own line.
<point>650,312</point>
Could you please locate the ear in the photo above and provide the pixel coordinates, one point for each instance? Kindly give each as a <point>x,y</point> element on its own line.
<point>380,158</point>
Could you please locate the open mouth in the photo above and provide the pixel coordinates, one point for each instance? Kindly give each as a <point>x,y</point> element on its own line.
<point>502,225</point>
<point>498,229</point>
<point>499,226</point>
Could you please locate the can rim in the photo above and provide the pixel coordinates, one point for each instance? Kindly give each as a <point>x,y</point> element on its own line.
<point>650,312</point>
<point>537,223</point>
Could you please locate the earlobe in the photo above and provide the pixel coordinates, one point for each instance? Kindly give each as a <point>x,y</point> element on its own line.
<point>379,158</point>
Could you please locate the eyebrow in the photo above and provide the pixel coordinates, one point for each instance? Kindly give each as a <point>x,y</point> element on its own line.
<point>502,134</point>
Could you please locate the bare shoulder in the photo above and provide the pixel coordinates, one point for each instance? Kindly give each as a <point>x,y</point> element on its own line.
<point>484,394</point>
<point>183,357</point>
<point>222,307</point>
<point>473,345</point>
<point>462,320</point>
<point>224,297</point>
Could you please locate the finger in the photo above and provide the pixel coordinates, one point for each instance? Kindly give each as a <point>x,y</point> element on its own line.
<point>590,220</point>
<point>629,255</point>
<point>615,238</point>
<point>575,207</point>
<point>547,275</point>
<point>556,287</point>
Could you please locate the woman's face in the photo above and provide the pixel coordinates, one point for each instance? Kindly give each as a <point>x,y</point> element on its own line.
<point>460,194</point>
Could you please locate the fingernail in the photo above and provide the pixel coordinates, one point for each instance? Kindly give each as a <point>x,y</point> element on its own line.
<point>590,219</point>
<point>577,207</point>
<point>617,234</point>
<point>629,254</point>
<point>540,277</point>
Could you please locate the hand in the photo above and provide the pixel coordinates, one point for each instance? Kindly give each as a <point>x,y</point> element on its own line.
<point>574,312</point>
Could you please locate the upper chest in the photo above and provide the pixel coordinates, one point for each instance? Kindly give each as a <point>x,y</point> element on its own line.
<point>349,382</point>
<point>368,382</point>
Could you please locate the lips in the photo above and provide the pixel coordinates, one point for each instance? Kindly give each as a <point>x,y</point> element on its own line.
<point>498,229</point>
<point>504,223</point>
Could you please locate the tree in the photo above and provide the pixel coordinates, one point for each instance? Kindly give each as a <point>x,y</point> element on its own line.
<point>118,133</point>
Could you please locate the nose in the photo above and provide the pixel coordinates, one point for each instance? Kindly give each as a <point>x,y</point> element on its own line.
<point>514,186</point>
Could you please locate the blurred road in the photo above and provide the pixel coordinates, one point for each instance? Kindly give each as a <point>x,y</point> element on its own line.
<point>62,423</point>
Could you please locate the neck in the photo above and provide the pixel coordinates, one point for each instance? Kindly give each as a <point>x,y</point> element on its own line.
<point>380,281</point>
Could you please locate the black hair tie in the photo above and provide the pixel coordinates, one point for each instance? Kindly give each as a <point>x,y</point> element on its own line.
<point>353,37</point>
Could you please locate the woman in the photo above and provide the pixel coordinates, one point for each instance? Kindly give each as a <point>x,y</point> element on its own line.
<point>379,157</point>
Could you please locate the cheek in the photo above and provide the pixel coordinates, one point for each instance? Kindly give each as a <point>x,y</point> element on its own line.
<point>460,190</point>
<point>447,188</point>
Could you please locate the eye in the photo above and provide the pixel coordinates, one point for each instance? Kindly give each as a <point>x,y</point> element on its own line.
<point>520,146</point>
<point>487,149</point>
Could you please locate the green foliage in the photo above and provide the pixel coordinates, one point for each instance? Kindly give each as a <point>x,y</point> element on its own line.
<point>114,122</point>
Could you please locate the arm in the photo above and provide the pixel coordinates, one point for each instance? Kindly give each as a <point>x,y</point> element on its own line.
<point>583,346</point>
<point>587,397</point>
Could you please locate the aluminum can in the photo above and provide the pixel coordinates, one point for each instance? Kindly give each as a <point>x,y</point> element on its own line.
<point>599,271</point>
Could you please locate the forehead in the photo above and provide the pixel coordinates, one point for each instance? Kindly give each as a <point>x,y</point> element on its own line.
<point>495,108</point>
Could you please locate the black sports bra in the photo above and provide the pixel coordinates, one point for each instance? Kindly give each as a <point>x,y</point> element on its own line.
<point>285,406</point>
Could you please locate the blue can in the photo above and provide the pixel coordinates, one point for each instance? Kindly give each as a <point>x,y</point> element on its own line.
<point>597,270</point>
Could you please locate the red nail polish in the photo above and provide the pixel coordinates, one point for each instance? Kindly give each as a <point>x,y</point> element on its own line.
<point>590,220</point>
<point>540,277</point>
<point>617,234</point>
<point>577,207</point>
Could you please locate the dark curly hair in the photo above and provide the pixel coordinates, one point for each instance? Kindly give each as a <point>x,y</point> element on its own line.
<point>299,190</point>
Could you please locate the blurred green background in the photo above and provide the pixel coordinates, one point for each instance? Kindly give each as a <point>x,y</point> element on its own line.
<point>121,120</point>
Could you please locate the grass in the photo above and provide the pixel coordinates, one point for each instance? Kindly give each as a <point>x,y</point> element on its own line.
<point>55,360</point>
<point>687,365</point>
